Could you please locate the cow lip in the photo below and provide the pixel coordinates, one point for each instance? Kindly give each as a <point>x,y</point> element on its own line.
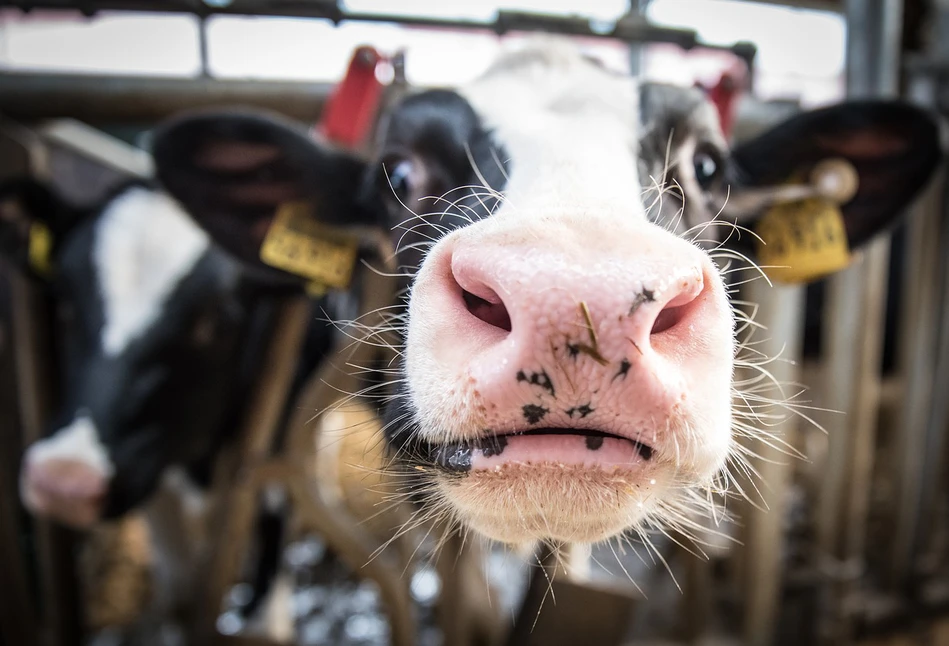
<point>644,450</point>
<point>457,456</point>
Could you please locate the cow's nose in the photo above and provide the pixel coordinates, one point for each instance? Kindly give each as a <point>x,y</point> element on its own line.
<point>548,332</point>
<point>540,307</point>
<point>69,491</point>
<point>497,290</point>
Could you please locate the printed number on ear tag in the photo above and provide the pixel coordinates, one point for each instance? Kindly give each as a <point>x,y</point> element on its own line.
<point>297,243</point>
<point>802,240</point>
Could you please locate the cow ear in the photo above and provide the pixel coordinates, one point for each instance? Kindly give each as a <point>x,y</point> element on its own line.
<point>33,220</point>
<point>892,146</point>
<point>236,171</point>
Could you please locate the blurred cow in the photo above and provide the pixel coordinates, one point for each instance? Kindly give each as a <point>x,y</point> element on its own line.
<point>159,336</point>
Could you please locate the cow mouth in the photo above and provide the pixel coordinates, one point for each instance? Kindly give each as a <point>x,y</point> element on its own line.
<point>574,446</point>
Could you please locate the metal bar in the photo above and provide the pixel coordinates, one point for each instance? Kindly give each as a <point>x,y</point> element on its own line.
<point>923,288</point>
<point>343,534</point>
<point>505,22</point>
<point>780,312</point>
<point>18,623</point>
<point>924,344</point>
<point>203,47</point>
<point>632,31</point>
<point>854,341</point>
<point>115,99</point>
<point>59,588</point>
<point>235,493</point>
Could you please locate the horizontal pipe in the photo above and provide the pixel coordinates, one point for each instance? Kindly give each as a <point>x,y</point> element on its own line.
<point>98,99</point>
<point>631,29</point>
<point>506,21</point>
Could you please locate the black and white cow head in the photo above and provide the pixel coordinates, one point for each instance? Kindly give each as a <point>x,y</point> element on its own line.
<point>150,318</point>
<point>568,350</point>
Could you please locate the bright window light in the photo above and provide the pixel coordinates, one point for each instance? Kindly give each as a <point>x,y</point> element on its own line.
<point>143,44</point>
<point>801,52</point>
<point>316,50</point>
<point>476,10</point>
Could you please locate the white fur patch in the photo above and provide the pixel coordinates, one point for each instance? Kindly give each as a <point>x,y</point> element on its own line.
<point>570,129</point>
<point>79,441</point>
<point>145,244</point>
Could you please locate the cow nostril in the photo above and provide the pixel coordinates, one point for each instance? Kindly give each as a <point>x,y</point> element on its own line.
<point>668,317</point>
<point>492,313</point>
<point>678,307</point>
<point>479,295</point>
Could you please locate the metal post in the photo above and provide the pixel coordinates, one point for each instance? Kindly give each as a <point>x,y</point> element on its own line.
<point>637,10</point>
<point>62,621</point>
<point>18,617</point>
<point>924,372</point>
<point>203,47</point>
<point>854,337</point>
<point>780,313</point>
<point>924,344</point>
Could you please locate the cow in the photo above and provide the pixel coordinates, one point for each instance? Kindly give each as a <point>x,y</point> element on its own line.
<point>159,334</point>
<point>148,316</point>
<point>567,344</point>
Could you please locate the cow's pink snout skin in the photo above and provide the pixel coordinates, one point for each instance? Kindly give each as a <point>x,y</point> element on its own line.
<point>604,337</point>
<point>619,331</point>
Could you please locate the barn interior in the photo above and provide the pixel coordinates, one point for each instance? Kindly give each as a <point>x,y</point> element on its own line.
<point>291,529</point>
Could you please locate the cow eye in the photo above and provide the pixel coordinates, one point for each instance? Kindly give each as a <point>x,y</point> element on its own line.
<point>399,178</point>
<point>707,167</point>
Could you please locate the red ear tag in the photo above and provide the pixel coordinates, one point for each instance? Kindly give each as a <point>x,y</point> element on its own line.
<point>351,109</point>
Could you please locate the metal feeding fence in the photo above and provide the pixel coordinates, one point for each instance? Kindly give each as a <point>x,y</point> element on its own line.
<point>852,547</point>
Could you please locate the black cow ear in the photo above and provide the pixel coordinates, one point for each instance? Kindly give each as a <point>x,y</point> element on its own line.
<point>33,219</point>
<point>892,146</point>
<point>238,173</point>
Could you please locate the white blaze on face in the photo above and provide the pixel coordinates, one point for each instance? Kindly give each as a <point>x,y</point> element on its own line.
<point>145,244</point>
<point>78,442</point>
<point>570,130</point>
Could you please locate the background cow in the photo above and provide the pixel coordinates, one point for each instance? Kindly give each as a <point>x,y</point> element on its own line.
<point>159,336</point>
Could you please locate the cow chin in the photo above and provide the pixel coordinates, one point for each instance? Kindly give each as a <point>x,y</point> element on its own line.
<point>554,502</point>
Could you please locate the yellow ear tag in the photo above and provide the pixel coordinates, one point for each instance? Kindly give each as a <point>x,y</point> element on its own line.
<point>40,248</point>
<point>802,240</point>
<point>298,244</point>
